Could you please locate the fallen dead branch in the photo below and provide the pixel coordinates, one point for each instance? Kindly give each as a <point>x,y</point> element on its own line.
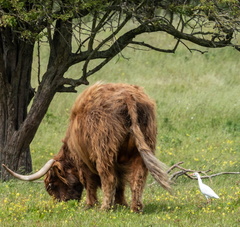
<point>187,172</point>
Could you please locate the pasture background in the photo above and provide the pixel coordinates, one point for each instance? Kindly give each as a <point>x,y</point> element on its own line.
<point>198,110</point>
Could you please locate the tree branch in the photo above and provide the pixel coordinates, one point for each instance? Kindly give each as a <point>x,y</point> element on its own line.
<point>72,84</point>
<point>152,47</point>
<point>184,171</point>
<point>189,37</point>
<point>127,38</point>
<point>97,68</point>
<point>94,31</point>
<point>192,49</point>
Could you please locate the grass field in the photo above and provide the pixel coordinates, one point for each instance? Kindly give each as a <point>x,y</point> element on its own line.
<point>198,123</point>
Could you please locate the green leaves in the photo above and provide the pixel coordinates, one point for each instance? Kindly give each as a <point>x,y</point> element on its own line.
<point>23,17</point>
<point>8,20</point>
<point>29,17</point>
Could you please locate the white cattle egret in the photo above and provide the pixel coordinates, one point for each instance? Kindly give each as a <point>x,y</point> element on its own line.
<point>205,189</point>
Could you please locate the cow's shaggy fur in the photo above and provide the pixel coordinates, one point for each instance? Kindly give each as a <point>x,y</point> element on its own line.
<point>110,142</point>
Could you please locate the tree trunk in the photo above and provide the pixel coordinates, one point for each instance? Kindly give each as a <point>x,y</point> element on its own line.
<point>15,94</point>
<point>18,126</point>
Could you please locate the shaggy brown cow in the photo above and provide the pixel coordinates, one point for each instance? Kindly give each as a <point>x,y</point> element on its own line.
<point>110,142</point>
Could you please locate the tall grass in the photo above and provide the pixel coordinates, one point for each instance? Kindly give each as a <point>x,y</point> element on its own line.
<point>198,110</point>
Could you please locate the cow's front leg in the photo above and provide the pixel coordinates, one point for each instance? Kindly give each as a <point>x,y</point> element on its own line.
<point>91,196</point>
<point>91,182</point>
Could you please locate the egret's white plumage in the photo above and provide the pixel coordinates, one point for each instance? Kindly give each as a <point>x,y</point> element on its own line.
<point>205,189</point>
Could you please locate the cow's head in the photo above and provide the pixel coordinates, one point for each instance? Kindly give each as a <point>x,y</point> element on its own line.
<point>61,180</point>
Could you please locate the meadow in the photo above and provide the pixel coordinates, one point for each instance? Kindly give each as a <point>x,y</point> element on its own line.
<point>198,109</point>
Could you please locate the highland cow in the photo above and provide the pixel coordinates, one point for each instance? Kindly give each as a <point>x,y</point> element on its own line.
<point>109,143</point>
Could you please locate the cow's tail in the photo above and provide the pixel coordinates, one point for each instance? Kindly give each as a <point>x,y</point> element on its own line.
<point>155,167</point>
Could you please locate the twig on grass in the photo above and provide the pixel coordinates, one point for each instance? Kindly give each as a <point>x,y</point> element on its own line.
<point>184,171</point>
<point>187,172</point>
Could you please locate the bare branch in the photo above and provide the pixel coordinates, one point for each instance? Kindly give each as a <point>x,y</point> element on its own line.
<point>91,55</point>
<point>210,43</point>
<point>97,68</point>
<point>174,166</point>
<point>72,84</point>
<point>39,62</point>
<point>152,47</point>
<point>184,171</point>
<point>192,49</point>
<point>94,31</point>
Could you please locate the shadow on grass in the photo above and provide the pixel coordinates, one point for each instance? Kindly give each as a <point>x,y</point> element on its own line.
<point>152,208</point>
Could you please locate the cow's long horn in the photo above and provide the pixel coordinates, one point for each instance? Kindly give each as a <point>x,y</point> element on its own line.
<point>34,176</point>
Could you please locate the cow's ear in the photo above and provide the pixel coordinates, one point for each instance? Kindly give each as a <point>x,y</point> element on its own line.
<point>59,172</point>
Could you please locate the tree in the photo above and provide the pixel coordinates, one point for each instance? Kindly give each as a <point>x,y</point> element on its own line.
<point>92,32</point>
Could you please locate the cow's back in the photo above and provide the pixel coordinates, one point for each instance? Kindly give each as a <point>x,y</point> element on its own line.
<point>100,121</point>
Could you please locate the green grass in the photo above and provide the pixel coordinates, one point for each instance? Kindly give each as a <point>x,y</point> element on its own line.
<point>198,110</point>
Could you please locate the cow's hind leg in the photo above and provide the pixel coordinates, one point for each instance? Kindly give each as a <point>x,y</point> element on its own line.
<point>120,195</point>
<point>137,181</point>
<point>108,184</point>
